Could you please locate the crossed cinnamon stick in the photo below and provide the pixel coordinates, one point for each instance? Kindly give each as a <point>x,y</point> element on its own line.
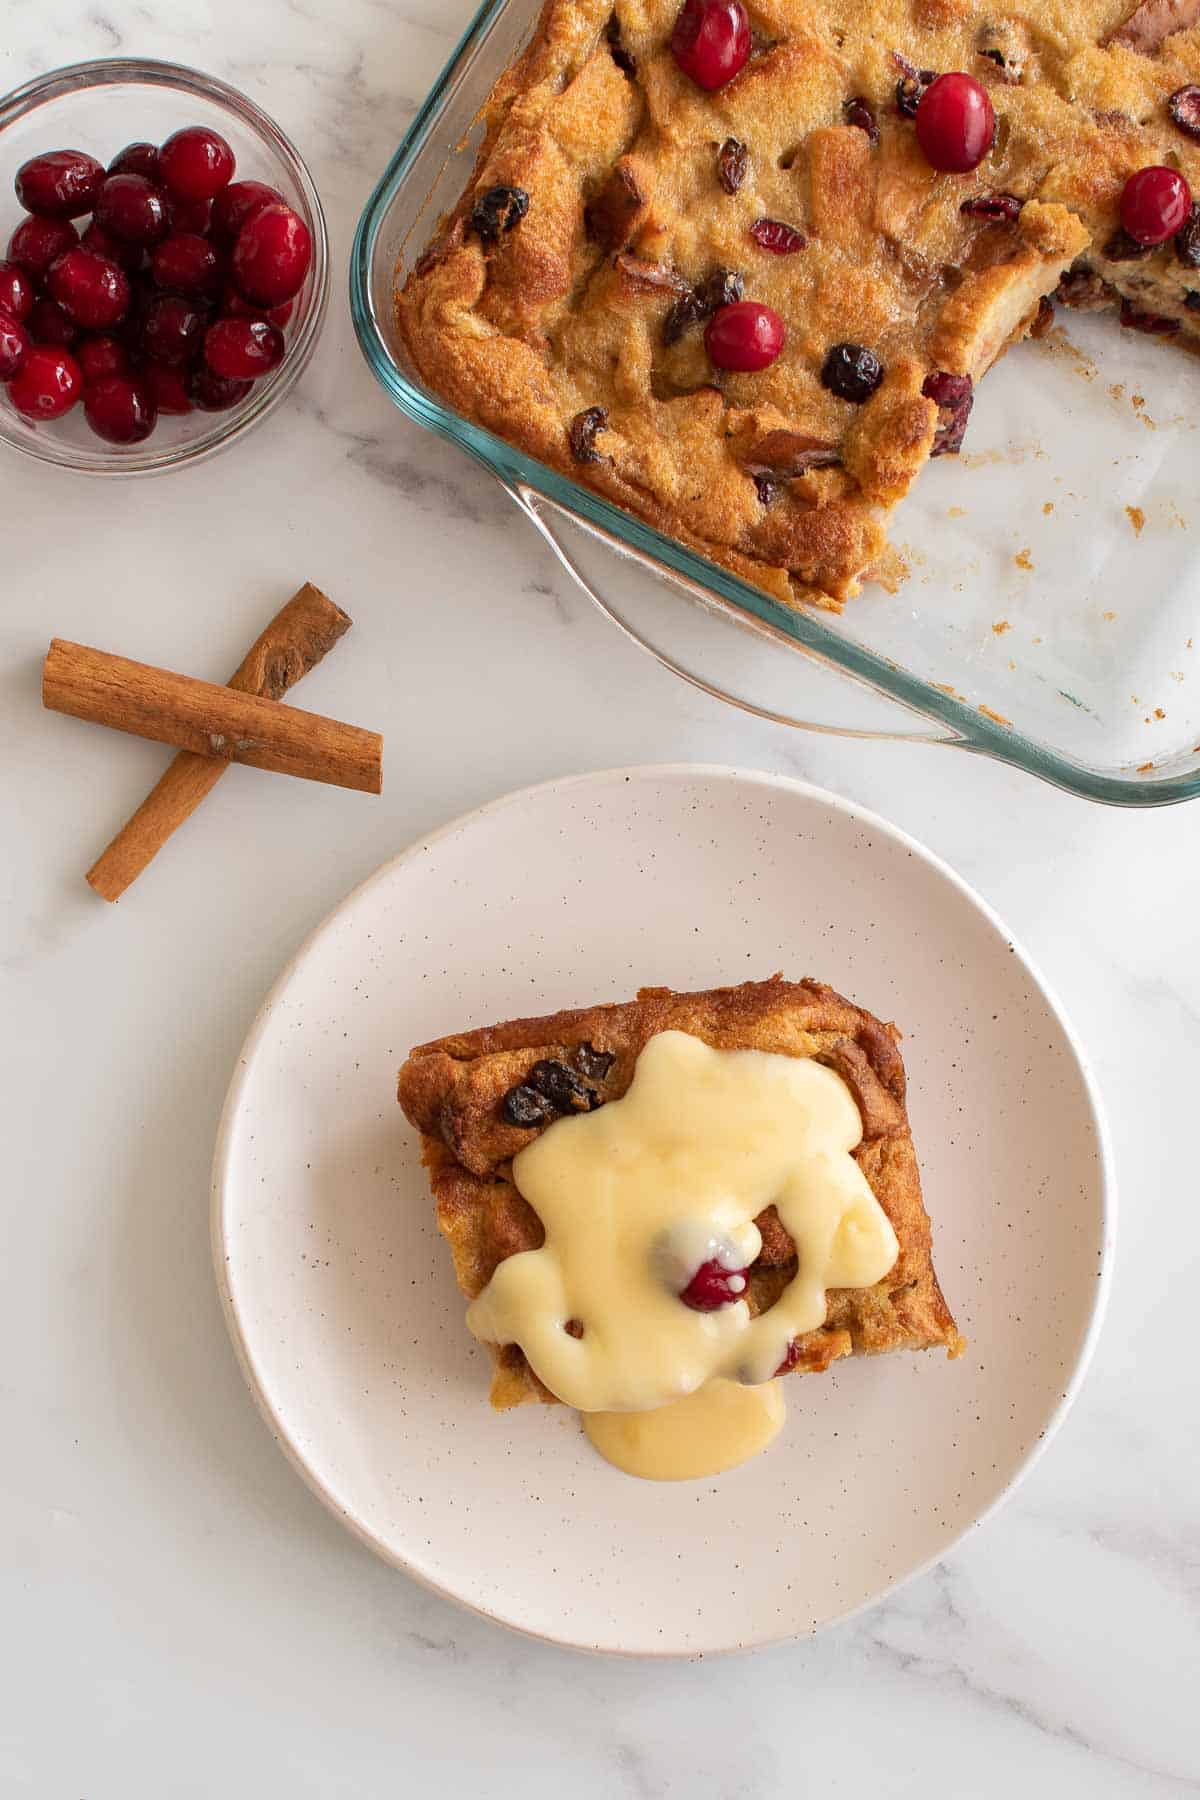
<point>241,722</point>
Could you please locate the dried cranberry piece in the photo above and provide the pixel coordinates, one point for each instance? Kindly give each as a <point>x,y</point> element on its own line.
<point>861,114</point>
<point>767,487</point>
<point>1122,248</point>
<point>733,160</point>
<point>992,206</point>
<point>525,1107</point>
<point>561,1086</point>
<point>955,396</point>
<point>778,238</point>
<point>1155,324</point>
<point>624,59</point>
<point>724,287</point>
<point>593,1063</point>
<point>852,372</point>
<point>911,85</point>
<point>1187,241</point>
<point>583,429</point>
<point>791,1357</point>
<point>1184,108</point>
<point>497,211</point>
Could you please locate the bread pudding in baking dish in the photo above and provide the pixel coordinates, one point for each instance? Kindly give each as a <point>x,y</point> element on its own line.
<point>740,267</point>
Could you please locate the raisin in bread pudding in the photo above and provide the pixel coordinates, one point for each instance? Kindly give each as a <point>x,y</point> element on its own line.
<point>481,1098</point>
<point>739,268</point>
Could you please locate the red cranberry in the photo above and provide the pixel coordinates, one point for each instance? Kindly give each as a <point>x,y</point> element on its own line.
<point>129,256</point>
<point>49,324</point>
<point>234,205</point>
<point>215,393</point>
<point>120,408</point>
<point>101,355</point>
<point>711,41</point>
<point>196,163</point>
<point>132,209</point>
<point>243,348</point>
<point>184,262</point>
<point>713,1285</point>
<point>1155,204</point>
<point>234,306</point>
<point>791,1357</point>
<point>16,291</point>
<point>90,289</point>
<point>36,243</point>
<point>189,215</point>
<point>168,388</point>
<point>61,184</point>
<point>271,255</point>
<point>47,384</point>
<point>15,345</point>
<point>136,159</point>
<point>172,329</point>
<point>956,124</point>
<point>746,335</point>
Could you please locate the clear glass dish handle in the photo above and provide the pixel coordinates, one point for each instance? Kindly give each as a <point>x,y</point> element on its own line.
<point>791,685</point>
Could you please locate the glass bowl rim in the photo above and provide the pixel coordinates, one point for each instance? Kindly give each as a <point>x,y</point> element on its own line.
<point>225,428</point>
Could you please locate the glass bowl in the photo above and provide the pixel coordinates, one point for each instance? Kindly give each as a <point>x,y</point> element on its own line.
<point>1051,614</point>
<point>100,107</point>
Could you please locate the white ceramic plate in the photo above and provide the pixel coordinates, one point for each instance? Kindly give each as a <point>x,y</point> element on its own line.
<point>340,1295</point>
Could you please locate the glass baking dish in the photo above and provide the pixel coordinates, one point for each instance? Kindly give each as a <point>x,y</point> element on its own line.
<point>1046,618</point>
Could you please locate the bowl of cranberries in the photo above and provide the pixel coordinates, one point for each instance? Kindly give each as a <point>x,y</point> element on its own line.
<point>164,267</point>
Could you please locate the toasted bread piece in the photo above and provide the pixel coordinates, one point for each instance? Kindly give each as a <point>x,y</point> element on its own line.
<point>453,1092</point>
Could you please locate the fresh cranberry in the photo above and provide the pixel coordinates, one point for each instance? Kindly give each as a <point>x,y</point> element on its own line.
<point>61,184</point>
<point>271,255</point>
<point>47,384</point>
<point>16,291</point>
<point>15,345</point>
<point>185,263</point>
<point>37,242</point>
<point>196,163</point>
<point>215,393</point>
<point>746,335</point>
<point>172,329</point>
<point>956,123</point>
<point>233,206</point>
<point>168,388</point>
<point>120,408</point>
<point>1155,204</point>
<point>711,41</point>
<point>189,215</point>
<point>49,324</point>
<point>90,289</point>
<point>104,244</point>
<point>132,209</point>
<point>243,348</point>
<point>234,306</point>
<point>101,355</point>
<point>136,159</point>
<point>713,1285</point>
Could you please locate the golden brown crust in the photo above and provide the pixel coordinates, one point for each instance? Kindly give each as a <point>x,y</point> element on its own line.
<point>452,1090</point>
<point>619,154</point>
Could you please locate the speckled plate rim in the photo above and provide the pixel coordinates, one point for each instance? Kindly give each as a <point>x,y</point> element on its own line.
<point>872,821</point>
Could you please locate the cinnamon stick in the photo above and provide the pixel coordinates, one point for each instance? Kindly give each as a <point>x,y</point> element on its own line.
<point>210,720</point>
<point>294,642</point>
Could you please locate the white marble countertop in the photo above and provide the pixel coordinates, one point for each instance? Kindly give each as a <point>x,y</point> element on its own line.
<point>181,1616</point>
